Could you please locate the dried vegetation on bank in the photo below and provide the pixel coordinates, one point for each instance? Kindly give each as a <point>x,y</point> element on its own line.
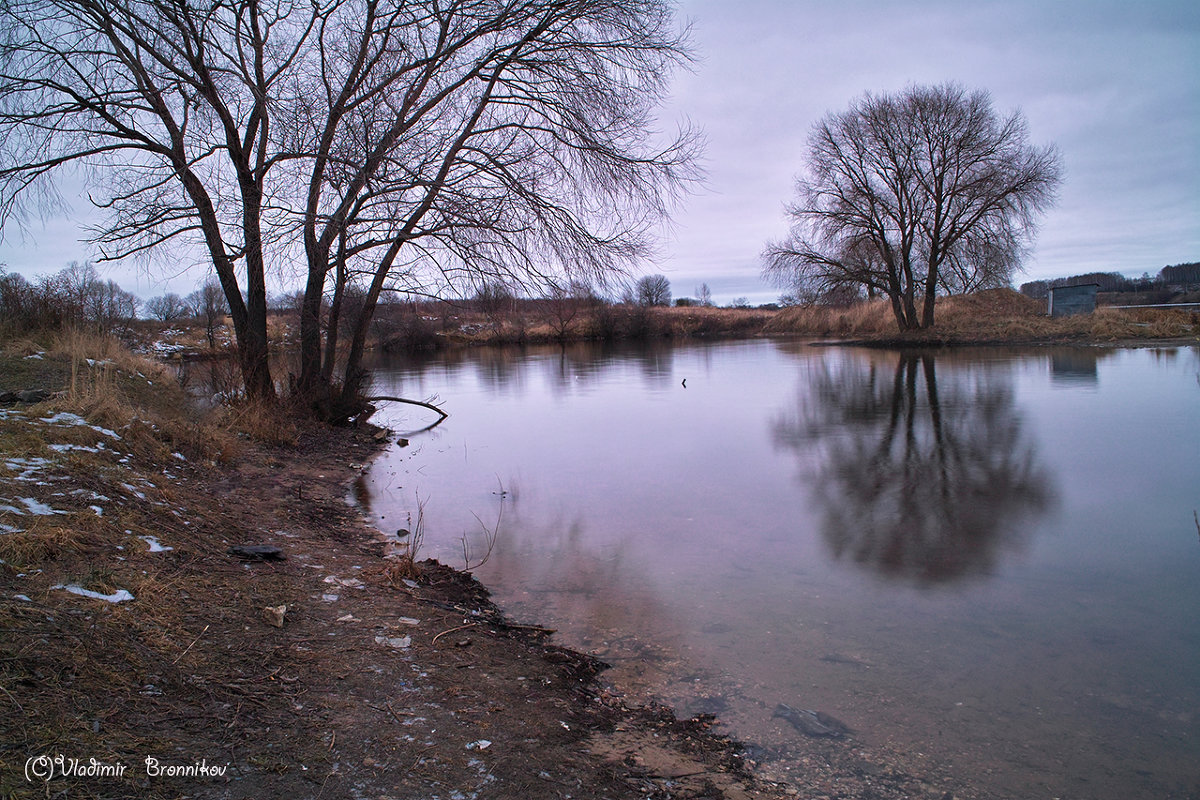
<point>995,316</point>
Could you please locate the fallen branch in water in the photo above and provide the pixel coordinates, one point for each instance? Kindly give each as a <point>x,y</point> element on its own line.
<point>420,403</point>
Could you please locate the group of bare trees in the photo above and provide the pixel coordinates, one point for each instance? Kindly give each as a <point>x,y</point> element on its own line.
<point>912,195</point>
<point>414,145</point>
<point>74,296</point>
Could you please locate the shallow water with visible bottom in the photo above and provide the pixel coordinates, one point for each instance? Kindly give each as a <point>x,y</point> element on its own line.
<point>988,559</point>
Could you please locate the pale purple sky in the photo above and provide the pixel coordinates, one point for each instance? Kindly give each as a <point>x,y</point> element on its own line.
<point>1113,83</point>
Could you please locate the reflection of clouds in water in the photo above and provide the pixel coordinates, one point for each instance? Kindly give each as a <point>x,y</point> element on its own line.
<point>918,479</point>
<point>598,592</point>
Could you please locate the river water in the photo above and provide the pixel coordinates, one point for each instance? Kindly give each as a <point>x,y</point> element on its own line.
<point>985,558</point>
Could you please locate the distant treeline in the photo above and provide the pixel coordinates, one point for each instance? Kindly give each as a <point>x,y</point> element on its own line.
<point>74,297</point>
<point>1170,281</point>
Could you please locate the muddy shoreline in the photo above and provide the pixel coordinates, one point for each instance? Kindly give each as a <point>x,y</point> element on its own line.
<point>364,685</point>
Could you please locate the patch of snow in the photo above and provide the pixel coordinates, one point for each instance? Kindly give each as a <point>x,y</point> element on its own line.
<point>481,744</point>
<point>35,356</point>
<point>38,508</point>
<point>99,511</point>
<point>5,413</point>
<point>398,642</point>
<point>28,467</point>
<point>74,420</point>
<point>349,583</point>
<point>133,491</point>
<point>12,510</point>
<point>155,545</point>
<point>65,418</point>
<point>119,596</point>
<point>22,598</point>
<point>180,456</point>
<point>8,528</point>
<point>64,448</point>
<point>329,598</point>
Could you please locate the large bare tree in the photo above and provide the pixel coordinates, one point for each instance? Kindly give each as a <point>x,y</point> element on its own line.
<point>914,194</point>
<point>165,107</point>
<point>390,143</point>
<point>477,144</point>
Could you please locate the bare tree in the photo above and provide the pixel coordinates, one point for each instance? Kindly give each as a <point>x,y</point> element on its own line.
<point>479,144</point>
<point>704,295</point>
<point>653,290</point>
<point>166,107</point>
<point>564,304</point>
<point>167,307</point>
<point>208,305</point>
<point>909,195</point>
<point>408,145</point>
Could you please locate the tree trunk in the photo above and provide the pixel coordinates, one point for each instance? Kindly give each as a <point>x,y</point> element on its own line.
<point>310,332</point>
<point>255,350</point>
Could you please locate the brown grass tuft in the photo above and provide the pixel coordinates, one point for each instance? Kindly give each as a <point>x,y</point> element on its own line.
<point>270,423</point>
<point>991,316</point>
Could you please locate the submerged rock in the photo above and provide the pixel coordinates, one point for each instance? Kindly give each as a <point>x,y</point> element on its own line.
<point>812,723</point>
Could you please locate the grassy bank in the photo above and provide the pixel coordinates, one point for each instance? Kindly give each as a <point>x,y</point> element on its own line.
<point>996,316</point>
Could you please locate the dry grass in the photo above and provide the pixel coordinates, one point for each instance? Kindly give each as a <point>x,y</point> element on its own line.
<point>992,316</point>
<point>873,318</point>
<point>270,423</point>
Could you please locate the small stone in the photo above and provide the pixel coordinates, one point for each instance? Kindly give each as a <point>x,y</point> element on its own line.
<point>274,615</point>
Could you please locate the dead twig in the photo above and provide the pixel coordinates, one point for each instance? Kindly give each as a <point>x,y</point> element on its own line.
<point>452,630</point>
<point>189,647</point>
<point>394,714</point>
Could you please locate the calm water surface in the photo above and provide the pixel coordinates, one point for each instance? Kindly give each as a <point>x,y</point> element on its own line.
<point>988,559</point>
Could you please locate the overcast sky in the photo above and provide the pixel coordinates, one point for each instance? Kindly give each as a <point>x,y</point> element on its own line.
<point>1112,82</point>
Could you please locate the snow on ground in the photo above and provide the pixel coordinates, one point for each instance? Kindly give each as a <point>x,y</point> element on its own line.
<point>28,467</point>
<point>119,596</point>
<point>39,508</point>
<point>68,419</point>
<point>155,545</point>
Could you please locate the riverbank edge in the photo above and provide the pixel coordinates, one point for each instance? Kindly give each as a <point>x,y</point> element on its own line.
<point>287,671</point>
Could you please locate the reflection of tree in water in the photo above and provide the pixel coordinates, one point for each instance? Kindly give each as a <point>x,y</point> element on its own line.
<point>918,480</point>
